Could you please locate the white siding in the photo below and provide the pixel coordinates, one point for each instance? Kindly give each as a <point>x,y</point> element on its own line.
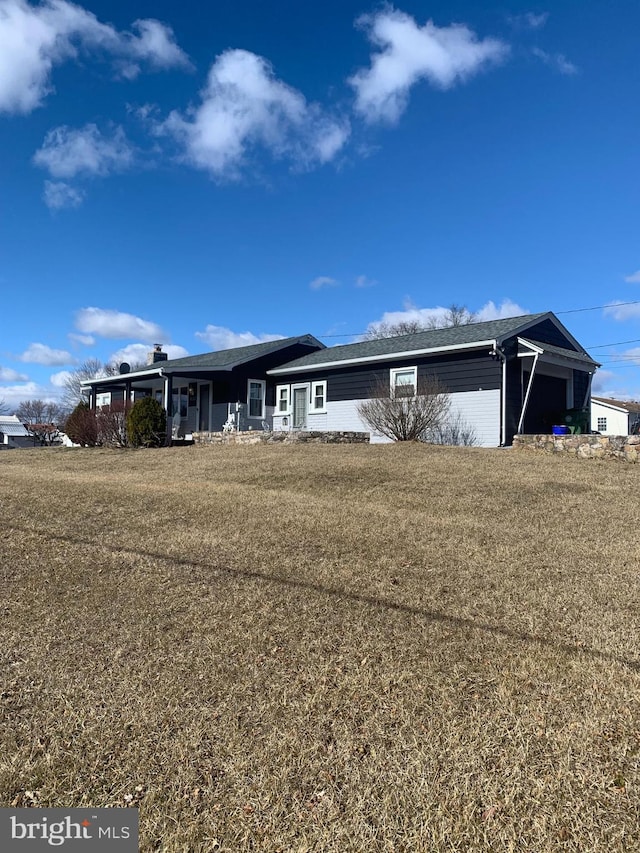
<point>343,416</point>
<point>617,421</point>
<point>480,410</point>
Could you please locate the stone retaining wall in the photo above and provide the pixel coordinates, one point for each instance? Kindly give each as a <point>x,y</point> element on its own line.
<point>281,437</point>
<point>626,448</point>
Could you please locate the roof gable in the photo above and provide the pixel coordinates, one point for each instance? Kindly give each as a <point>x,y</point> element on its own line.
<point>224,360</point>
<point>432,340</point>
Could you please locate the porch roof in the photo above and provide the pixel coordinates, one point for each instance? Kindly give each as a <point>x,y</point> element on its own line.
<point>558,353</point>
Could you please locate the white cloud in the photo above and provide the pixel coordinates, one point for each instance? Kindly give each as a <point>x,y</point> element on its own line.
<point>507,308</point>
<point>57,195</point>
<point>528,20</point>
<point>634,278</point>
<point>66,153</point>
<point>42,354</point>
<point>85,340</point>
<point>13,395</point>
<point>7,374</point>
<point>438,315</point>
<point>244,106</point>
<point>602,383</point>
<point>408,53</point>
<point>363,281</point>
<point>622,311</point>
<point>323,281</point>
<point>135,354</point>
<point>632,356</point>
<point>557,61</point>
<point>33,39</point>
<point>60,379</point>
<point>219,337</point>
<point>117,324</point>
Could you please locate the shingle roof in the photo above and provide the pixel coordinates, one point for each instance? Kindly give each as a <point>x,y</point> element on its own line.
<point>629,405</point>
<point>225,359</point>
<point>10,425</point>
<point>431,339</point>
<point>562,351</point>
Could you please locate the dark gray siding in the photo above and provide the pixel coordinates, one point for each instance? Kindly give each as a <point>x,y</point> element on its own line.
<point>457,372</point>
<point>580,386</point>
<point>547,333</point>
<point>513,402</point>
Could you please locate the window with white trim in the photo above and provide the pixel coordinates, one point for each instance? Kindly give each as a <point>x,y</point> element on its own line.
<point>404,381</point>
<point>283,393</point>
<point>255,398</point>
<point>602,424</point>
<point>318,396</point>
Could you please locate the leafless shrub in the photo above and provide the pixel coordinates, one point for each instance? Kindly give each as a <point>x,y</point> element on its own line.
<point>405,417</point>
<point>112,425</point>
<point>455,430</point>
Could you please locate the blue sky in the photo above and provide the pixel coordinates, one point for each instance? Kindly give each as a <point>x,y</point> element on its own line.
<point>205,175</point>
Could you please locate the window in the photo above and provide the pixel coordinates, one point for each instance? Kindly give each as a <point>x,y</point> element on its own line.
<point>282,397</point>
<point>602,424</point>
<point>404,381</point>
<point>179,396</point>
<point>318,396</point>
<point>256,398</point>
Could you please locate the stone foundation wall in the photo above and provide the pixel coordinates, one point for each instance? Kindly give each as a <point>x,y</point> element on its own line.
<point>280,437</point>
<point>626,448</point>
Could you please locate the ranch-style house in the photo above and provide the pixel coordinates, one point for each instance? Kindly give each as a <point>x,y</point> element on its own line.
<point>514,375</point>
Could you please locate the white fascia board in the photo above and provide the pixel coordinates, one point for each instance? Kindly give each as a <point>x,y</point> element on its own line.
<point>533,347</point>
<point>121,377</point>
<point>367,359</point>
<point>151,374</point>
<point>556,358</point>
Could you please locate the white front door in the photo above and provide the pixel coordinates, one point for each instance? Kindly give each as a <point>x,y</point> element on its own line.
<point>300,405</point>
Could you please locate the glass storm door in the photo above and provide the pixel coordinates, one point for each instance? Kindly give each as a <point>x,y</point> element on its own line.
<point>300,403</point>
<point>203,419</point>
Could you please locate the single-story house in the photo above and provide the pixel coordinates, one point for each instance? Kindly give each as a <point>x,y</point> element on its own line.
<point>514,375</point>
<point>13,433</point>
<point>205,392</point>
<point>614,417</point>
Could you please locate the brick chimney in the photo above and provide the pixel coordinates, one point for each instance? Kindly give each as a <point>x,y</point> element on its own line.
<point>156,354</point>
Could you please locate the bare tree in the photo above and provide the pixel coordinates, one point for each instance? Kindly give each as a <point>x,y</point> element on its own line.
<point>42,419</point>
<point>455,315</point>
<point>405,416</point>
<point>92,368</point>
<point>39,412</point>
<point>4,409</point>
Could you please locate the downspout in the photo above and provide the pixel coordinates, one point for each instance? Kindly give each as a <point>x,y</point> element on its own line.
<point>526,396</point>
<point>167,402</point>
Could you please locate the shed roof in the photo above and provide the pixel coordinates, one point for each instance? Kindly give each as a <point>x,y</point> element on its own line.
<point>11,425</point>
<point>624,405</point>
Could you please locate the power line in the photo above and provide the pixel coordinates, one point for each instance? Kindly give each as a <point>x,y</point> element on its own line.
<point>566,311</point>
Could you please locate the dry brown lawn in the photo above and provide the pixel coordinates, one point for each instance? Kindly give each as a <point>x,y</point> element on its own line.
<point>386,648</point>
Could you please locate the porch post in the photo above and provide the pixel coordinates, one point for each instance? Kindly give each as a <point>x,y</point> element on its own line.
<point>168,397</point>
<point>526,396</point>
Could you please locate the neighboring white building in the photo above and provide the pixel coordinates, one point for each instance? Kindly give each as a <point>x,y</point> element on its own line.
<point>614,417</point>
